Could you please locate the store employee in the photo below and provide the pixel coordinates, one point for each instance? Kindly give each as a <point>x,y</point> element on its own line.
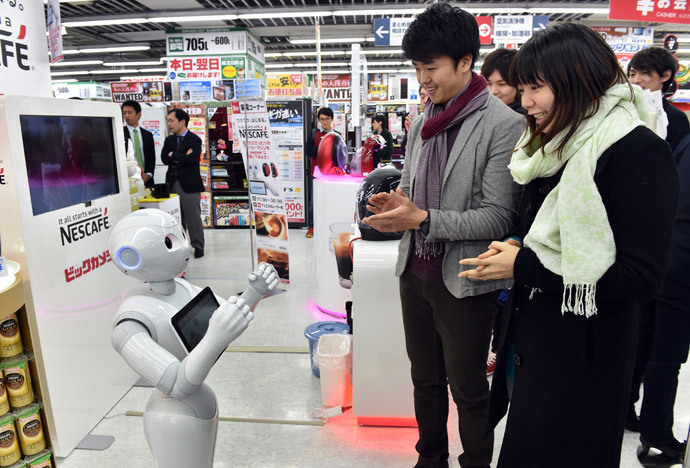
<point>143,140</point>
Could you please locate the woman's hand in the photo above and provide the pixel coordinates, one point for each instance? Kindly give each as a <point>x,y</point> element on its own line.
<point>498,265</point>
<point>492,252</point>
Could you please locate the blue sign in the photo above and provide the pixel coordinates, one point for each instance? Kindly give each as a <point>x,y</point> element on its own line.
<point>539,22</point>
<point>382,31</point>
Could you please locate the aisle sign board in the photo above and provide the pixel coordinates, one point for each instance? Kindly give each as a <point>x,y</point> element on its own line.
<point>512,28</point>
<point>662,11</point>
<point>485,24</point>
<point>390,31</point>
<point>86,90</point>
<point>54,30</point>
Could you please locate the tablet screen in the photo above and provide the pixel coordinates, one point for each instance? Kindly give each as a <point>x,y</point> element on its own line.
<point>257,187</point>
<point>191,322</point>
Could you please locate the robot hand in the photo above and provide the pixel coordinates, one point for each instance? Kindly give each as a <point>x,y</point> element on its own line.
<point>261,281</point>
<point>264,278</point>
<point>227,323</point>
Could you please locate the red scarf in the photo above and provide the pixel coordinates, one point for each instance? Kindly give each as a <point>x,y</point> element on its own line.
<point>438,124</point>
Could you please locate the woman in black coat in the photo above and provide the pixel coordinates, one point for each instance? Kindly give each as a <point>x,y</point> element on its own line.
<point>591,240</point>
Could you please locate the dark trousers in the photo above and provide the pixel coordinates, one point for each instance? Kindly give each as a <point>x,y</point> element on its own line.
<point>190,207</point>
<point>447,340</point>
<point>667,339</point>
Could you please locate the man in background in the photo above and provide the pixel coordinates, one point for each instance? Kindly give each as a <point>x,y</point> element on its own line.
<point>144,148</point>
<point>325,116</point>
<point>181,152</point>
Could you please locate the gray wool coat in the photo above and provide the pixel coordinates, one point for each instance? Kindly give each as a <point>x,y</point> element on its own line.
<point>478,196</point>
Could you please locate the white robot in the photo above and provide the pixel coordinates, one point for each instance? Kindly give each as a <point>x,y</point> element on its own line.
<point>160,331</point>
<point>266,176</point>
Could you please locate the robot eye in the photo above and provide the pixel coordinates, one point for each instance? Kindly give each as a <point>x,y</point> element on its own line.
<point>129,258</point>
<point>172,242</point>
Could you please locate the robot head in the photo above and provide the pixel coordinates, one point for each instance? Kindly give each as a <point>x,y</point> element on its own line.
<point>383,179</point>
<point>331,156</point>
<point>149,245</point>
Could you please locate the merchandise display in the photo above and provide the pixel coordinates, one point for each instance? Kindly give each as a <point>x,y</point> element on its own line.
<point>30,430</point>
<point>10,338</point>
<point>20,391</point>
<point>9,443</point>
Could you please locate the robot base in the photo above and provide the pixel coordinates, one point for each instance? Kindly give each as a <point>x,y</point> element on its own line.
<point>182,433</point>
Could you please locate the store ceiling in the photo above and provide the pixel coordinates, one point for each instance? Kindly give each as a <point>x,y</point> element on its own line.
<point>98,24</point>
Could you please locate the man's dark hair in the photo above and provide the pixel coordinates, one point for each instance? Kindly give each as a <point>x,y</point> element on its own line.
<point>442,30</point>
<point>658,60</point>
<point>382,119</point>
<point>578,66</point>
<point>499,60</point>
<point>133,104</point>
<point>180,115</point>
<point>325,111</point>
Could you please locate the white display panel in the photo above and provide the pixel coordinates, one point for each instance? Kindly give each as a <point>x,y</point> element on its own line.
<point>72,288</point>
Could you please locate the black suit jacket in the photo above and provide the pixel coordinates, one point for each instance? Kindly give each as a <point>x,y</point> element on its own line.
<point>678,124</point>
<point>182,165</point>
<point>149,151</point>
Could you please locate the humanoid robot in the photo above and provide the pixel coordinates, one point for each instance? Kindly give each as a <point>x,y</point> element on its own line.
<point>181,418</point>
<point>266,175</point>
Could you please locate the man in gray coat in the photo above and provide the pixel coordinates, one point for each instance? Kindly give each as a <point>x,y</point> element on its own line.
<point>455,196</point>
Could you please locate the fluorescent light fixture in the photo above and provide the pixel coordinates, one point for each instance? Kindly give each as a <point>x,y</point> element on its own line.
<point>684,40</point>
<point>284,14</point>
<point>380,12</point>
<point>67,80</point>
<point>384,63</point>
<point>71,1</point>
<point>104,22</point>
<point>279,65</point>
<point>189,19</point>
<point>152,70</point>
<point>565,10</point>
<point>379,52</point>
<point>129,64</point>
<point>76,63</point>
<point>113,48</point>
<point>333,40</point>
<point>71,73</point>
<point>494,10</point>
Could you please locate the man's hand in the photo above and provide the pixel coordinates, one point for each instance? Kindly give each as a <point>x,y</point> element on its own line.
<point>145,177</point>
<point>393,212</point>
<point>495,266</point>
<point>190,151</point>
<point>264,278</point>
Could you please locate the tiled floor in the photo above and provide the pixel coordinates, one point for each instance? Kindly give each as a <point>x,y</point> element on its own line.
<point>281,386</point>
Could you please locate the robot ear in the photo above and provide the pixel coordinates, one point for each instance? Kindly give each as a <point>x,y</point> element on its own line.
<point>128,258</point>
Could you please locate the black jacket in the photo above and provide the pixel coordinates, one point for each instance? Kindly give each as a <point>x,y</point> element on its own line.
<point>679,261</point>
<point>573,374</point>
<point>183,166</point>
<point>678,124</point>
<point>385,154</point>
<point>149,151</point>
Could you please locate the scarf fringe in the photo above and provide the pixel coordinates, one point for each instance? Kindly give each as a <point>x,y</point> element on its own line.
<point>579,299</point>
<point>426,250</point>
<point>533,292</point>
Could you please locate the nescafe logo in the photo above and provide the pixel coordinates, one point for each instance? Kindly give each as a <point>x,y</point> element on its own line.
<point>32,428</point>
<point>8,328</point>
<point>14,381</point>
<point>6,439</point>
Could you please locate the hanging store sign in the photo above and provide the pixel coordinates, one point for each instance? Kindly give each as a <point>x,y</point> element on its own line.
<point>54,30</point>
<point>289,85</point>
<point>140,91</point>
<point>219,41</point>
<point>626,41</point>
<point>517,29</point>
<point>206,68</point>
<point>662,11</point>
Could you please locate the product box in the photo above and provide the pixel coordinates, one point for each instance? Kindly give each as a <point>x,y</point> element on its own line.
<point>169,205</point>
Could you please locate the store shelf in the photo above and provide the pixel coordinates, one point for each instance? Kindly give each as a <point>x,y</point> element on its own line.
<point>12,298</point>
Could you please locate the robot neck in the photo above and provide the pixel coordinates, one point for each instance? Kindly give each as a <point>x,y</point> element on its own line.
<point>166,288</point>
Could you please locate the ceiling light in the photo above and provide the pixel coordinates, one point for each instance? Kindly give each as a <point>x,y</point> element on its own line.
<point>71,1</point>
<point>563,10</point>
<point>684,39</point>
<point>332,40</point>
<point>67,80</point>
<point>114,48</point>
<point>284,14</point>
<point>128,64</point>
<point>197,18</point>
<point>104,22</point>
<point>495,11</point>
<point>279,65</point>
<point>379,12</point>
<point>71,73</point>
<point>149,70</point>
<point>111,72</point>
<point>76,63</point>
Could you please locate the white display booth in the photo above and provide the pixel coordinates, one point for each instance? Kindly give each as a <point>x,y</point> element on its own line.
<point>63,186</point>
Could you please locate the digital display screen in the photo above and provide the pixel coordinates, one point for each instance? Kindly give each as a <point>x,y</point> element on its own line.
<point>69,160</point>
<point>257,187</point>
<point>191,322</point>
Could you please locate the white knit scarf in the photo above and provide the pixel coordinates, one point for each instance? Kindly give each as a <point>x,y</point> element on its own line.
<point>571,234</point>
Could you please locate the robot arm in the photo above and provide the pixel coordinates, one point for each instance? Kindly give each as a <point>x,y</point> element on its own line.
<point>227,323</point>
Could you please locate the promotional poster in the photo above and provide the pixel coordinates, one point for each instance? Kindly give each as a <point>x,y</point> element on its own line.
<point>251,128</point>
